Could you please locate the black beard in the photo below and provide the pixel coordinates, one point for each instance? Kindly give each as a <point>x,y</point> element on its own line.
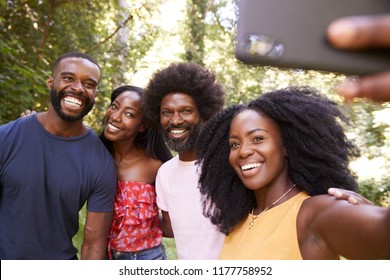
<point>55,99</point>
<point>181,146</point>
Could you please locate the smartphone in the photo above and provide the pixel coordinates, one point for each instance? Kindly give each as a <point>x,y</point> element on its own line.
<point>292,34</point>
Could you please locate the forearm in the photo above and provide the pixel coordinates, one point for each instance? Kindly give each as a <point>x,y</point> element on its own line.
<point>166,226</point>
<point>167,232</point>
<point>96,230</point>
<point>387,243</point>
<point>93,251</point>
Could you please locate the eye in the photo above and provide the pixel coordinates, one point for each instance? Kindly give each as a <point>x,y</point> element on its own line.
<point>187,111</point>
<point>130,115</point>
<point>234,144</point>
<point>165,113</point>
<point>113,106</point>
<point>67,78</point>
<point>258,139</point>
<point>89,85</point>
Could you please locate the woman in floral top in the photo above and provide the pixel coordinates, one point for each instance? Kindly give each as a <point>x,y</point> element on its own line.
<point>138,150</point>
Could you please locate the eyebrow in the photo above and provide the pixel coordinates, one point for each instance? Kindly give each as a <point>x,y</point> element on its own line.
<point>249,132</point>
<point>126,107</point>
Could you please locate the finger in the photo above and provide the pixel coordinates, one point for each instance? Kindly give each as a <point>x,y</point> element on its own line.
<point>375,87</point>
<point>359,32</point>
<point>352,200</point>
<point>350,196</point>
<point>335,192</point>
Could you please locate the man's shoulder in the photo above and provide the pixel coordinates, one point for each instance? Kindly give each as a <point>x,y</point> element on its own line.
<point>167,168</point>
<point>15,122</point>
<point>13,127</point>
<point>169,163</point>
<point>94,139</point>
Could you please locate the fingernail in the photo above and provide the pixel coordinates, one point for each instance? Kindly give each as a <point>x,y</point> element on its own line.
<point>349,89</point>
<point>342,33</point>
<point>338,194</point>
<point>352,200</point>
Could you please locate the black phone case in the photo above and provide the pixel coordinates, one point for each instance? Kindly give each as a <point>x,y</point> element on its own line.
<point>292,34</point>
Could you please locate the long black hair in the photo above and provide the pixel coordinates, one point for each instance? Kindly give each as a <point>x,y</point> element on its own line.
<point>151,138</point>
<point>318,152</point>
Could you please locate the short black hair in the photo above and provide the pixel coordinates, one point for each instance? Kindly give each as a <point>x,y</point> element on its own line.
<point>189,78</point>
<point>76,55</point>
<point>318,151</point>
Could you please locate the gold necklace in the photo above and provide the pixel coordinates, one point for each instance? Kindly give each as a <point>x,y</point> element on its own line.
<point>254,217</point>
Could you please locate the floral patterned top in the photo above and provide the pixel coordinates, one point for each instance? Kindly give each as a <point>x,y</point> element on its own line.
<point>135,224</point>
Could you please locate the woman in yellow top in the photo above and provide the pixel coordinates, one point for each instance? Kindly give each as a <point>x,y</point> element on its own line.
<point>266,169</point>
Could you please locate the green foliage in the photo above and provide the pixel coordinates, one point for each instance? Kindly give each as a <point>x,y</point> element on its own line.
<point>196,28</point>
<point>78,238</point>
<point>369,128</point>
<point>20,84</point>
<point>378,191</point>
<point>34,33</point>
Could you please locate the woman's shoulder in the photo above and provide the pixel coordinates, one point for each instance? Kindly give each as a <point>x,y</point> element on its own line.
<point>154,163</point>
<point>321,207</point>
<point>321,201</point>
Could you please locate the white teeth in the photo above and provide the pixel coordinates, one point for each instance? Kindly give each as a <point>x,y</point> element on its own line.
<point>111,127</point>
<point>72,101</point>
<point>250,166</point>
<point>177,131</point>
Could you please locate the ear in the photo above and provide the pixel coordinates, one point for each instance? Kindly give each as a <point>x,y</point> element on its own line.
<point>50,83</point>
<point>285,153</point>
<point>143,128</point>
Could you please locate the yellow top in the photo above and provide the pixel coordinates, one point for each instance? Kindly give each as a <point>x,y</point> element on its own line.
<point>272,237</point>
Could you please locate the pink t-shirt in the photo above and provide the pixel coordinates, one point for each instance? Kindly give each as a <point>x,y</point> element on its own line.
<point>179,195</point>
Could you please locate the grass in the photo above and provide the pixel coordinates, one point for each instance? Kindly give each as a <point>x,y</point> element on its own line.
<point>170,248</point>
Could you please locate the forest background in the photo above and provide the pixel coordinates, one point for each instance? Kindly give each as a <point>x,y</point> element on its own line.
<point>131,39</point>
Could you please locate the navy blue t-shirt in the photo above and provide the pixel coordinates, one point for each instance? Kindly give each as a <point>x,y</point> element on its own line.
<point>44,182</point>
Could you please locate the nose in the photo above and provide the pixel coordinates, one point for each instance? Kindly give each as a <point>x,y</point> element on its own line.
<point>77,86</point>
<point>245,151</point>
<point>116,116</point>
<point>176,119</point>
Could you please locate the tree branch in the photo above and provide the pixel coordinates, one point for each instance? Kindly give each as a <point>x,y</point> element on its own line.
<point>112,35</point>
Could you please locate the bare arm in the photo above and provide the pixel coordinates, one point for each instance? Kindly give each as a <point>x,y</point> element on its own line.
<point>165,222</point>
<point>355,232</point>
<point>363,32</point>
<point>96,229</point>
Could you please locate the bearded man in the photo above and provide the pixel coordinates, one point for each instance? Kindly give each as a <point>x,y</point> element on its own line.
<point>50,165</point>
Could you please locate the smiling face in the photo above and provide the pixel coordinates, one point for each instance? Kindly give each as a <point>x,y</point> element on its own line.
<point>124,117</point>
<point>180,121</point>
<point>256,154</point>
<point>73,88</point>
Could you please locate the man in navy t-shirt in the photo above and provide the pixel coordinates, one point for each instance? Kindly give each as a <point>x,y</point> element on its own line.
<point>50,165</point>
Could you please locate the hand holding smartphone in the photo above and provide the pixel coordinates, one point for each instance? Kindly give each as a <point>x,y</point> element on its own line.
<point>292,34</point>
